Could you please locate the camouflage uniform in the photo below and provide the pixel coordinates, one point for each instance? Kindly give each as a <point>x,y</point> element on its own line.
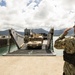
<point>68,44</point>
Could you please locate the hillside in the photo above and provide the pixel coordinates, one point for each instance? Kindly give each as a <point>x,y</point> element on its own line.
<point>40,30</point>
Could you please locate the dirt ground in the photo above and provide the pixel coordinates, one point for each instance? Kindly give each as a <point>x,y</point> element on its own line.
<point>31,65</point>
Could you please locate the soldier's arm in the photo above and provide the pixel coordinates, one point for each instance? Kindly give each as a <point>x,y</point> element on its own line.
<point>60,42</point>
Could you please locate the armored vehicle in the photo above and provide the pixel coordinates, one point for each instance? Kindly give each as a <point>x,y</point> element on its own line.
<point>35,41</point>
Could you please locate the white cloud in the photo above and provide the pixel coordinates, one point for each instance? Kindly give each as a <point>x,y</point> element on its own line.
<point>49,13</point>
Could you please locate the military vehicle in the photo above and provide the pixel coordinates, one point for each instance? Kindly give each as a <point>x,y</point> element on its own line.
<point>35,41</point>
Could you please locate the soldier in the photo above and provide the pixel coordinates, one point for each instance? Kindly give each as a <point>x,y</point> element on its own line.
<point>68,44</point>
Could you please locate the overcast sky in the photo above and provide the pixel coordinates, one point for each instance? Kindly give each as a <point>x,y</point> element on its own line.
<point>21,14</point>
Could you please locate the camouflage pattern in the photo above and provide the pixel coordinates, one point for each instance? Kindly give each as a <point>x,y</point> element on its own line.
<point>68,44</point>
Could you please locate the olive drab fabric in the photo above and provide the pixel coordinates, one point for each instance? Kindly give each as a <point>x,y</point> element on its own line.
<point>68,44</point>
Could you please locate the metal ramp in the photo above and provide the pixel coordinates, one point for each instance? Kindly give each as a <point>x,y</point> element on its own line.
<point>18,39</point>
<point>49,46</point>
<point>22,51</point>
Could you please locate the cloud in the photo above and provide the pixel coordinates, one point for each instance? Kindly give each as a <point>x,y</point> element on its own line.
<point>69,4</point>
<point>48,13</point>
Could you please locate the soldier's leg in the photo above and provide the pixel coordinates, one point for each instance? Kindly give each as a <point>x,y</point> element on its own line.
<point>64,69</point>
<point>63,73</point>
